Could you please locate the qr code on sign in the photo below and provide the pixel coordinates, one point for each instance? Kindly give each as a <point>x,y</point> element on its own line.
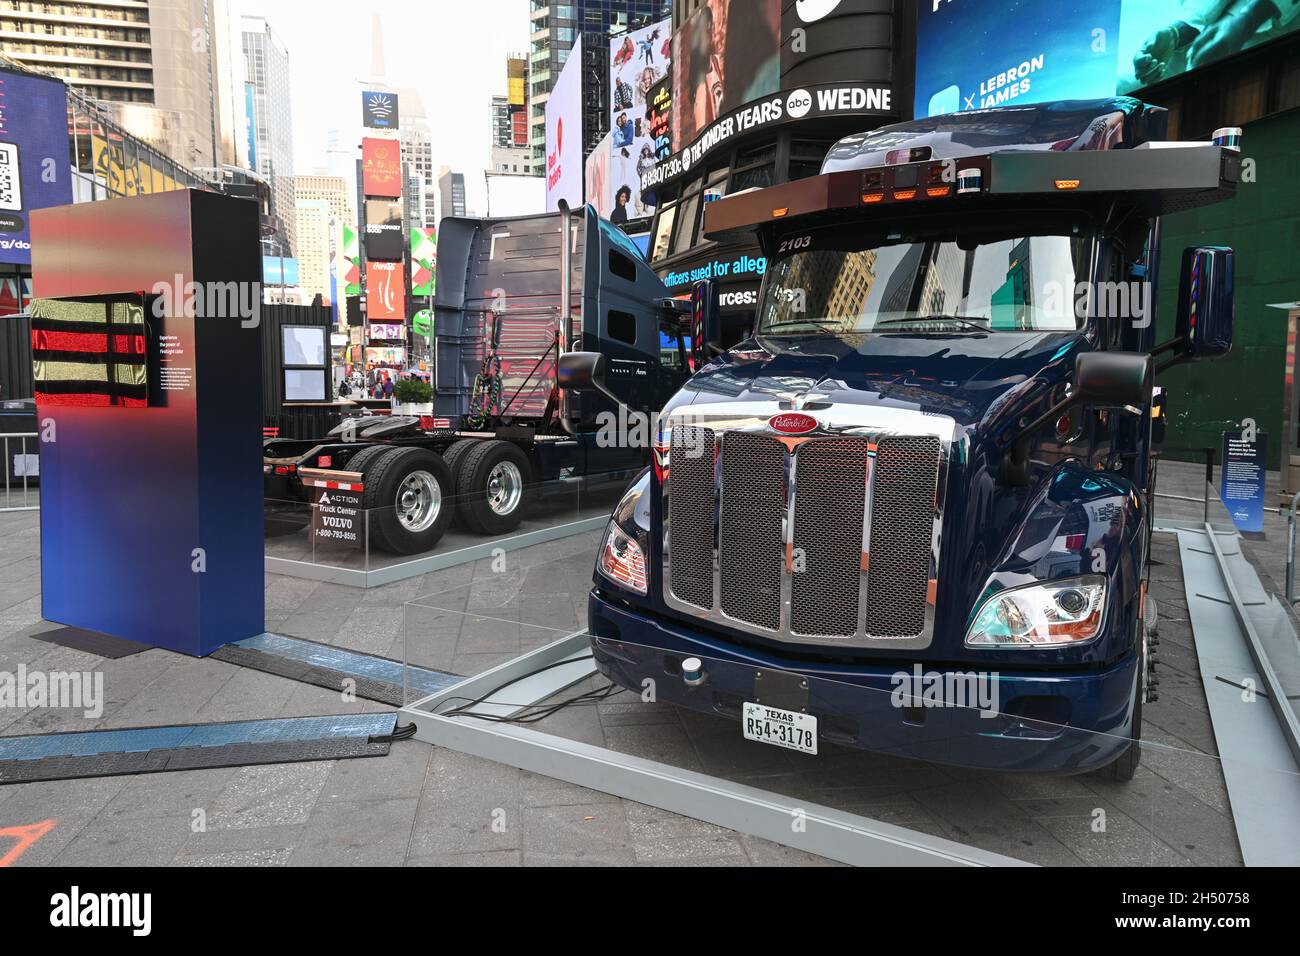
<point>11,190</point>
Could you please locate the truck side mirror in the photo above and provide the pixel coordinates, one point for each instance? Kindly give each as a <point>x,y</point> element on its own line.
<point>706,323</point>
<point>584,371</point>
<point>1205,302</point>
<point>1112,379</point>
<point>581,371</point>
<point>1101,379</point>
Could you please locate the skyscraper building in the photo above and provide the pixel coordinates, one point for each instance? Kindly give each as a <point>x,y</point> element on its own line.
<point>149,64</point>
<point>451,189</point>
<point>271,124</point>
<point>417,152</point>
<point>334,191</point>
<point>510,151</point>
<point>312,234</point>
<point>555,27</point>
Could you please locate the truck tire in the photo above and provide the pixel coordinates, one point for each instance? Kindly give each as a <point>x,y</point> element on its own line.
<point>280,518</point>
<point>454,452</point>
<point>492,487</point>
<point>408,495</point>
<point>1123,768</point>
<point>363,459</point>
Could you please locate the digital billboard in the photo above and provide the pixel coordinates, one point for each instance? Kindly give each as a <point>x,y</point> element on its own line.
<point>727,53</point>
<point>977,56</point>
<point>379,110</point>
<point>639,61</point>
<point>381,167</point>
<point>92,352</point>
<point>596,176</point>
<point>385,291</point>
<point>384,229</point>
<point>659,118</point>
<point>564,134</point>
<point>280,270</point>
<point>350,252</point>
<point>1160,39</point>
<point>424,260</point>
<point>387,331</point>
<point>34,168</point>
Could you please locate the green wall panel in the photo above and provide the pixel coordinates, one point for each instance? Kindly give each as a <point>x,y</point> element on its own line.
<point>1262,224</point>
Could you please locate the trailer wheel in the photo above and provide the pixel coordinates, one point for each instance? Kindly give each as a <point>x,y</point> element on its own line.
<point>492,487</point>
<point>408,495</point>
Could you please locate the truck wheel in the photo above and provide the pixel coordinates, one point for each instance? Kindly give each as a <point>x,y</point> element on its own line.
<point>492,487</point>
<point>1124,767</point>
<point>408,492</point>
<point>280,518</point>
<point>454,453</point>
<point>363,459</point>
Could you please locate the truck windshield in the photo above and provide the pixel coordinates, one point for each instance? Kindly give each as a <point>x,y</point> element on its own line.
<point>966,283</point>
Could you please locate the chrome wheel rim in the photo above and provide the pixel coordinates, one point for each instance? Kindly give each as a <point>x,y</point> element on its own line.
<point>419,501</point>
<point>505,488</point>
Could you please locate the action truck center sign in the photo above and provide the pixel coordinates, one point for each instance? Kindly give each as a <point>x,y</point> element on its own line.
<point>772,112</point>
<point>336,517</point>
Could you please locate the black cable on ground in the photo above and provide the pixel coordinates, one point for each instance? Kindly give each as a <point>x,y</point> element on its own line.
<point>533,713</point>
<point>539,712</point>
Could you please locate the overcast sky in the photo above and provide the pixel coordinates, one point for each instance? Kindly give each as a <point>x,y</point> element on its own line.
<point>453,52</point>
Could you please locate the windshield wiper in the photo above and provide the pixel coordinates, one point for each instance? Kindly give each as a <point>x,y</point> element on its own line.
<point>922,319</point>
<point>816,323</point>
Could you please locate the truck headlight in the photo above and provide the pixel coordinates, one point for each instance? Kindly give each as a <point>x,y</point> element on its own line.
<point>622,560</point>
<point>1055,614</point>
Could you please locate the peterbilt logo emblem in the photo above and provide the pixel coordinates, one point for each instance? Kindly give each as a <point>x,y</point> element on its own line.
<point>792,423</point>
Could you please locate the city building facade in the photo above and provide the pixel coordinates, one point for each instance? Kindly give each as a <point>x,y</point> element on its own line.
<point>269,100</point>
<point>555,27</point>
<point>147,63</point>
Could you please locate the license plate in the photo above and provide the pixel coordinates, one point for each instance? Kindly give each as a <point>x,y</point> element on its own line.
<point>780,728</point>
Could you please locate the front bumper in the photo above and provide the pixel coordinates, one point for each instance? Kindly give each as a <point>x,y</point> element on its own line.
<point>1042,722</point>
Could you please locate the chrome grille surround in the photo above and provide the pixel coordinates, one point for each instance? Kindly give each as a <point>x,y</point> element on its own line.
<point>826,538</point>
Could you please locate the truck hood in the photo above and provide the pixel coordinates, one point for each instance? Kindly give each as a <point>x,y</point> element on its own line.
<point>975,379</point>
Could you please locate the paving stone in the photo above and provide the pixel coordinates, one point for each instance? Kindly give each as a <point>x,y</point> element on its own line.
<point>577,835</point>
<point>468,805</point>
<point>125,842</point>
<point>241,840</point>
<point>357,833</point>
<point>237,858</point>
<point>659,836</point>
<point>486,858</point>
<point>276,795</point>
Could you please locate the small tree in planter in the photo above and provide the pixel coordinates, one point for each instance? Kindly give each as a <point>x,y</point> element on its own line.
<point>413,397</point>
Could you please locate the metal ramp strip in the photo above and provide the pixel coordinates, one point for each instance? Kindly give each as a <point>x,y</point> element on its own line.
<point>1259,762</point>
<point>323,665</point>
<point>97,753</point>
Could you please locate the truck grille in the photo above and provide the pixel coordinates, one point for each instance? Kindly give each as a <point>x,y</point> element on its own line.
<point>902,523</point>
<point>831,477</point>
<point>691,532</point>
<point>767,534</point>
<point>752,516</point>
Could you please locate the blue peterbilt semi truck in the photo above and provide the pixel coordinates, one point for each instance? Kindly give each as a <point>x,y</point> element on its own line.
<point>911,511</point>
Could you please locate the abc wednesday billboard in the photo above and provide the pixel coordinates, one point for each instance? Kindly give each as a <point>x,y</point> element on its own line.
<point>34,167</point>
<point>972,54</point>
